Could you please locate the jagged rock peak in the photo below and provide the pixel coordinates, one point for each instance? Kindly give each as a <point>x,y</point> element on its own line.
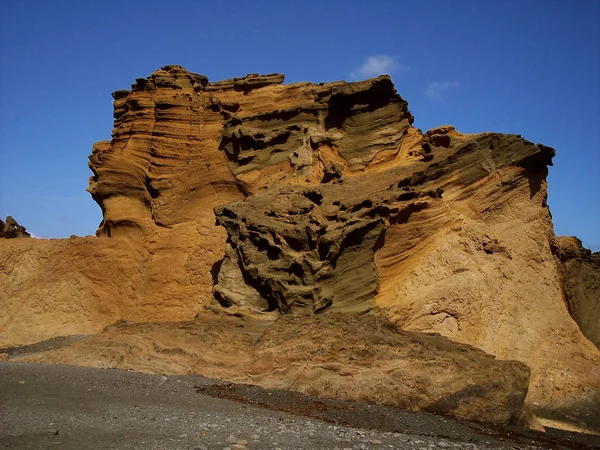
<point>10,229</point>
<point>177,77</point>
<point>179,140</point>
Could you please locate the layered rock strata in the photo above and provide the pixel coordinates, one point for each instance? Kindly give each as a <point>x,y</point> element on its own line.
<point>316,246</point>
<point>327,200</point>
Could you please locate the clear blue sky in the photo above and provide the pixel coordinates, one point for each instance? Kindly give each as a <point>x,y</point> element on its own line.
<point>529,67</point>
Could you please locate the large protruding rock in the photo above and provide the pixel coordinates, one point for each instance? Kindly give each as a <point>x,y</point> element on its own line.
<point>368,359</point>
<point>315,246</point>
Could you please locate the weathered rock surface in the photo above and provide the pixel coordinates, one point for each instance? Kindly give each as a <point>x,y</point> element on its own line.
<point>360,358</point>
<point>83,285</point>
<point>182,145</point>
<point>581,273</point>
<point>409,370</point>
<point>10,229</point>
<point>316,246</point>
<point>327,200</point>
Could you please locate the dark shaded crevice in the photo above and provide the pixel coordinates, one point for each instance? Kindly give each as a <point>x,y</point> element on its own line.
<point>536,180</point>
<point>264,246</point>
<point>536,167</point>
<point>297,244</point>
<point>344,105</point>
<point>405,196</point>
<point>296,269</point>
<point>214,271</point>
<point>380,242</point>
<point>154,193</point>
<point>404,215</point>
<point>362,205</point>
<point>313,196</point>
<point>354,238</point>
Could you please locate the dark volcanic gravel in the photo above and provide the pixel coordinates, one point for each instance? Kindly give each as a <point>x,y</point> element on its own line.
<point>64,407</point>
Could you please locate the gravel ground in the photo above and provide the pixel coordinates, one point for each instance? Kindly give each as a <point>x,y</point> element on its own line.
<point>64,407</point>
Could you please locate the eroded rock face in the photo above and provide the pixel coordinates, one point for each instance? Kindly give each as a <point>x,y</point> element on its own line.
<point>315,246</point>
<point>182,145</point>
<point>327,200</point>
<point>411,371</point>
<point>581,273</point>
<point>10,229</point>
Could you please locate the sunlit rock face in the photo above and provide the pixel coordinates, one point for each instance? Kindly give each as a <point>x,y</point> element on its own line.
<point>263,198</point>
<point>183,145</point>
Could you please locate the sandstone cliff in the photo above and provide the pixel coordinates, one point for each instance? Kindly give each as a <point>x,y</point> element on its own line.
<point>326,200</point>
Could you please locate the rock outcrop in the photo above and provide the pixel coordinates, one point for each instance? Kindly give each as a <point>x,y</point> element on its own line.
<point>10,229</point>
<point>360,358</point>
<point>327,200</point>
<point>581,274</point>
<point>316,246</point>
<point>182,145</point>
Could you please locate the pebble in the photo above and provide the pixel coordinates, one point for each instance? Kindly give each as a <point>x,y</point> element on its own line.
<point>231,439</point>
<point>375,442</point>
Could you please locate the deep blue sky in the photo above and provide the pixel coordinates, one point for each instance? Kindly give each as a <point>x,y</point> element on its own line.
<point>525,67</point>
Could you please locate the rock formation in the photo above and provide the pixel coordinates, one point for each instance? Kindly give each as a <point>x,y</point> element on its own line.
<point>316,246</point>
<point>327,200</point>
<point>580,269</point>
<point>342,356</point>
<point>10,229</point>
